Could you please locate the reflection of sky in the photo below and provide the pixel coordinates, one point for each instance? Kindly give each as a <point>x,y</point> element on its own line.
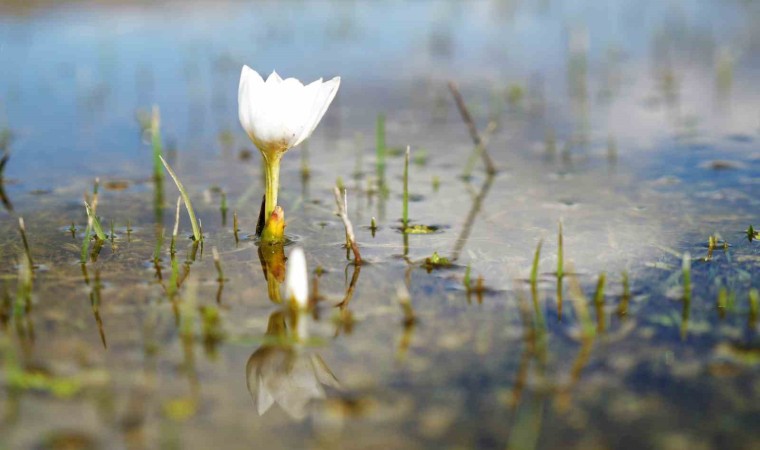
<point>74,76</point>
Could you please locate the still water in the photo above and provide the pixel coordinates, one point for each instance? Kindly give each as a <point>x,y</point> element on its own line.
<point>633,124</point>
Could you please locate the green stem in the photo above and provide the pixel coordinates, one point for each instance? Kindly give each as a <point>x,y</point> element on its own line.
<point>272,174</point>
<point>186,198</point>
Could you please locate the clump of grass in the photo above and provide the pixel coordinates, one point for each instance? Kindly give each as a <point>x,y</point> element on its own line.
<point>436,183</point>
<point>754,305</point>
<point>92,223</point>
<point>467,280</point>
<point>96,226</point>
<point>86,240</point>
<point>197,235</point>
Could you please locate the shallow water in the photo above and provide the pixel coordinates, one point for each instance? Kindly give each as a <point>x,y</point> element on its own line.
<point>635,125</point>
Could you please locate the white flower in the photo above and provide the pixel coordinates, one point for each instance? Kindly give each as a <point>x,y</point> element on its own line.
<point>297,279</point>
<point>279,114</point>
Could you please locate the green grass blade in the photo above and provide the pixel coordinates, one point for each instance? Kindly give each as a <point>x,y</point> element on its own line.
<point>186,198</point>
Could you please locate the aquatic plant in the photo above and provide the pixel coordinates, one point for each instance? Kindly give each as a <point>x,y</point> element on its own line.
<point>235,226</point>
<point>173,243</point>
<point>197,235</point>
<point>752,234</point>
<point>534,267</point>
<point>27,250</point>
<point>436,261</point>
<point>686,276</point>
<point>342,202</point>
<point>223,208</point>
<point>279,114</point>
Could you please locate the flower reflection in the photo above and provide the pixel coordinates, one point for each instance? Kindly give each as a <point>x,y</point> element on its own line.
<point>283,372</point>
<point>272,258</point>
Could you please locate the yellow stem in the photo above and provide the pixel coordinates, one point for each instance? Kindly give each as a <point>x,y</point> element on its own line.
<point>272,168</point>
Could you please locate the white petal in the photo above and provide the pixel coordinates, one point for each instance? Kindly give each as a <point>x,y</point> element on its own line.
<point>250,82</point>
<point>321,102</point>
<point>273,78</point>
<point>296,278</point>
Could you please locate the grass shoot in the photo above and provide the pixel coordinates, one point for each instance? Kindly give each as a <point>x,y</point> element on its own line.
<point>235,226</point>
<point>197,235</point>
<point>175,231</point>
<point>686,276</point>
<point>217,265</point>
<point>27,249</point>
<point>342,202</point>
<point>223,208</point>
<point>534,267</point>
